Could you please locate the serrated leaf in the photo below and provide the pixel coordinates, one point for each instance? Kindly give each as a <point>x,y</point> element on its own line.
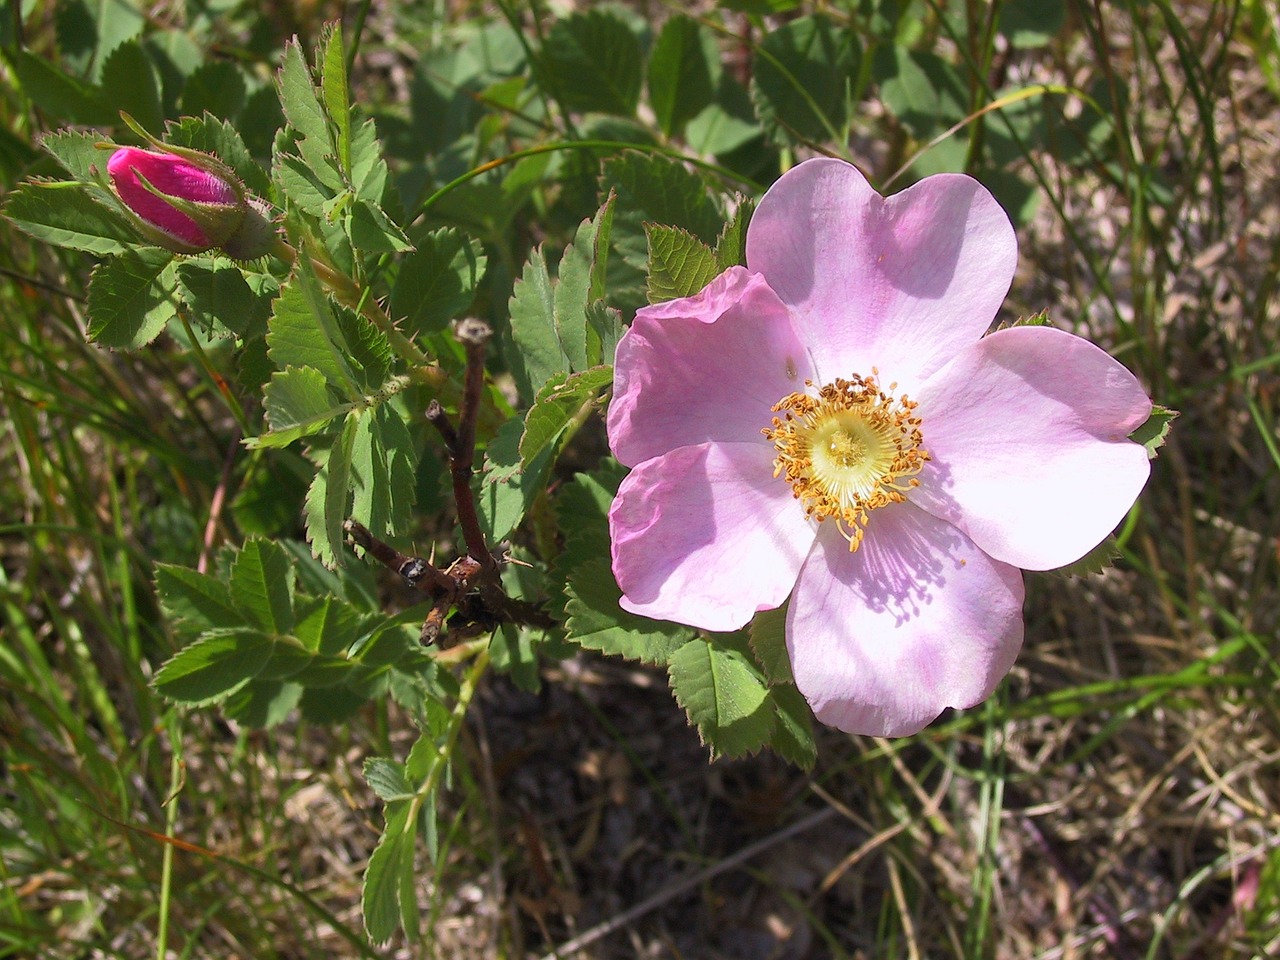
<point>303,332</point>
<point>217,87</point>
<point>220,138</point>
<point>373,231</point>
<point>262,586</point>
<point>1100,558</point>
<point>298,96</point>
<point>325,509</point>
<point>386,779</point>
<point>131,298</point>
<point>769,644</point>
<point>582,514</point>
<point>921,89</point>
<point>302,185</point>
<point>509,486</point>
<point>328,626</point>
<point>605,324</point>
<point>60,95</point>
<point>597,622</point>
<point>804,76</point>
<point>592,61</point>
<point>67,215</point>
<point>388,898</point>
<point>680,264</point>
<point>724,694</point>
<point>383,458</point>
<point>1153,433</point>
<point>538,355</point>
<point>214,666</point>
<point>684,71</point>
<point>580,282</point>
<point>262,703</point>
<point>333,84</point>
<point>557,403</point>
<point>220,299</point>
<point>368,169</point>
<point>196,602</point>
<point>131,80</point>
<point>437,282</point>
<point>659,190</point>
<point>793,732</point>
<point>298,403</point>
<point>77,151</point>
<point>731,246</point>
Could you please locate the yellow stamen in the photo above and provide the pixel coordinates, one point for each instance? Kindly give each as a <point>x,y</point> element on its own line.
<point>847,451</point>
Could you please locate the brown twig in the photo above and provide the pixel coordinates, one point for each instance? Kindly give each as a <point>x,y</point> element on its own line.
<point>468,595</point>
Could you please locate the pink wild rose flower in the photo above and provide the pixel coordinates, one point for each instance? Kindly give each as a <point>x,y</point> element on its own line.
<point>830,424</point>
<point>190,207</point>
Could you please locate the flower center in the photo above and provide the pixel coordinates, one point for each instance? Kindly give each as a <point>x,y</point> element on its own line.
<point>847,451</point>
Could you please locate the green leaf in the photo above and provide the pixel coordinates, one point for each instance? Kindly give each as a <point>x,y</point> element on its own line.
<point>78,153</point>
<point>1100,558</point>
<point>793,730</point>
<point>1153,433</point>
<point>373,231</point>
<point>1031,23</point>
<point>515,653</point>
<point>769,644</point>
<point>217,87</point>
<point>383,461</point>
<point>537,354</point>
<point>67,215</point>
<point>131,80</point>
<point>131,298</point>
<point>659,190</point>
<point>437,282</point>
<point>597,622</point>
<point>724,694</point>
<point>386,779</point>
<point>680,264</point>
<point>194,601</point>
<point>298,96</point>
<point>325,509</point>
<point>214,666</point>
<point>731,247</point>
<point>262,586</point>
<point>592,61</point>
<point>580,282</point>
<point>388,900</point>
<point>368,169</point>
<point>328,626</point>
<point>262,703</point>
<point>557,403</point>
<point>303,332</point>
<point>220,299</point>
<point>298,403</point>
<point>220,138</point>
<point>582,515</point>
<point>805,72</point>
<point>333,83</point>
<point>60,96</point>
<point>509,486</point>
<point>684,71</point>
<point>921,89</point>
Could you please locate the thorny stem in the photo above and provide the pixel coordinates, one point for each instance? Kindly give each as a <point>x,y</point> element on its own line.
<point>470,585</point>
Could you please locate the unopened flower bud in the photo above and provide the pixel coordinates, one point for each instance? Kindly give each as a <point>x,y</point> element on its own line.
<point>189,202</point>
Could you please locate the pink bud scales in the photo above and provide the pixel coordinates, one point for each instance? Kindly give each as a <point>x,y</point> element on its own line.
<point>184,181</point>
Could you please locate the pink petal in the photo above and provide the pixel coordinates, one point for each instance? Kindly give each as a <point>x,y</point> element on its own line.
<point>707,367</point>
<point>1028,433</point>
<point>917,620</point>
<point>705,535</point>
<point>899,283</point>
<point>171,175</point>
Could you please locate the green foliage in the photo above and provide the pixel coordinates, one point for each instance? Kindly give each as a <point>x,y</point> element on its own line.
<point>684,72</point>
<point>679,263</point>
<point>804,80</point>
<point>592,61</point>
